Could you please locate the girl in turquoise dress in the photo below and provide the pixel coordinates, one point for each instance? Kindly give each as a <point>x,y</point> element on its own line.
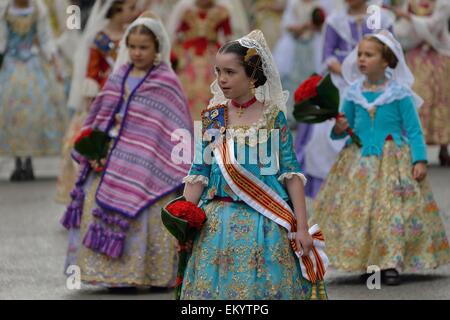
<point>376,207</point>
<point>241,252</point>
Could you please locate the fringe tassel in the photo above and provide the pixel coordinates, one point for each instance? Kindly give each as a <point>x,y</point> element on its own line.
<point>104,241</point>
<point>110,220</point>
<point>72,217</point>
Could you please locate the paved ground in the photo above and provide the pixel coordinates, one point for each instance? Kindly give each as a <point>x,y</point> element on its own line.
<point>33,244</point>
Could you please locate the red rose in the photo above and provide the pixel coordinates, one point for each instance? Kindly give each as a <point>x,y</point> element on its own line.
<point>318,17</point>
<point>188,211</point>
<point>308,89</point>
<point>85,133</point>
<point>179,281</point>
<point>99,169</point>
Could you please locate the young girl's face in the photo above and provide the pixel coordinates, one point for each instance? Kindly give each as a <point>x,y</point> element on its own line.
<point>142,50</point>
<point>231,76</point>
<point>370,58</point>
<point>129,11</point>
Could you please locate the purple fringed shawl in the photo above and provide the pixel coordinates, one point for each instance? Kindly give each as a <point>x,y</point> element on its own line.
<point>139,169</point>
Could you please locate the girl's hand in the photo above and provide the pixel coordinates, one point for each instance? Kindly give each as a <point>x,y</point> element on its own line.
<point>335,67</point>
<point>298,30</point>
<point>186,247</point>
<point>419,171</point>
<point>304,241</point>
<point>341,125</point>
<point>94,164</point>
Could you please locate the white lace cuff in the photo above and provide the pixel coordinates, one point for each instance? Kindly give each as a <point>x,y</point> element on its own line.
<point>193,179</point>
<point>290,175</point>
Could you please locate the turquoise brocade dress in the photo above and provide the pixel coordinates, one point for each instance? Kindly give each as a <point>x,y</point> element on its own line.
<point>240,254</point>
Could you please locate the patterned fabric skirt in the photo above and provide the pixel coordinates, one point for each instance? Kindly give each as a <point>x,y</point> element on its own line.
<point>32,109</point>
<point>69,168</point>
<point>149,258</point>
<point>241,255</point>
<point>431,71</point>
<point>372,212</point>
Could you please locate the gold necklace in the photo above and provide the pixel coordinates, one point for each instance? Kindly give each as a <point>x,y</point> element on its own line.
<point>373,86</point>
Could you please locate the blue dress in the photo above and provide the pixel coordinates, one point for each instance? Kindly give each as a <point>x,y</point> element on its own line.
<point>240,254</point>
<point>32,102</point>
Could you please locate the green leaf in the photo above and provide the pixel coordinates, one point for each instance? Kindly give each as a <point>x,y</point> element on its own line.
<point>177,227</point>
<point>86,148</point>
<point>322,107</point>
<point>328,94</point>
<point>311,113</point>
<point>101,142</point>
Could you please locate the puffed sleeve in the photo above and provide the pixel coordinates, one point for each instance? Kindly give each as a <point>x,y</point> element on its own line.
<point>201,167</point>
<point>348,108</point>
<point>413,129</point>
<point>289,166</point>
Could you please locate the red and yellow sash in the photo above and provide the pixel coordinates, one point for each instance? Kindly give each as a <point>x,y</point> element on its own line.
<point>264,200</point>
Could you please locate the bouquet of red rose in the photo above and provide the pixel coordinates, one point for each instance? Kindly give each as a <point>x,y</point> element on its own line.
<point>318,17</point>
<point>94,145</point>
<point>317,100</point>
<point>183,220</point>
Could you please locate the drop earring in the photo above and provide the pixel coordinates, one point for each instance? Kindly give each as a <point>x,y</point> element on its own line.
<point>252,87</point>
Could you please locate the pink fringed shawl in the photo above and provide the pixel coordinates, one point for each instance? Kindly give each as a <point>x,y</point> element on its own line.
<point>139,169</point>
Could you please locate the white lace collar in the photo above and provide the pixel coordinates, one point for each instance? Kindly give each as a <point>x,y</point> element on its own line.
<point>392,92</point>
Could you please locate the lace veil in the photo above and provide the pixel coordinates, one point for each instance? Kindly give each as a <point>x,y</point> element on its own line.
<point>271,93</point>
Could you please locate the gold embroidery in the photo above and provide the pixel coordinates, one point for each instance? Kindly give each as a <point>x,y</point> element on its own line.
<point>22,24</point>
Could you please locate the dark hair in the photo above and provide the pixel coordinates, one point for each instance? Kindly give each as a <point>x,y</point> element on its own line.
<point>386,52</point>
<point>116,7</point>
<point>141,29</point>
<point>253,66</point>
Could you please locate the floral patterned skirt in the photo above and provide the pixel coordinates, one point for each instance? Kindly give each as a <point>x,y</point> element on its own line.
<point>241,255</point>
<point>32,109</point>
<point>149,258</point>
<point>372,212</point>
<point>69,168</point>
<point>431,71</point>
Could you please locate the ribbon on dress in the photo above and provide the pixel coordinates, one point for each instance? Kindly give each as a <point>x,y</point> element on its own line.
<point>266,201</point>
